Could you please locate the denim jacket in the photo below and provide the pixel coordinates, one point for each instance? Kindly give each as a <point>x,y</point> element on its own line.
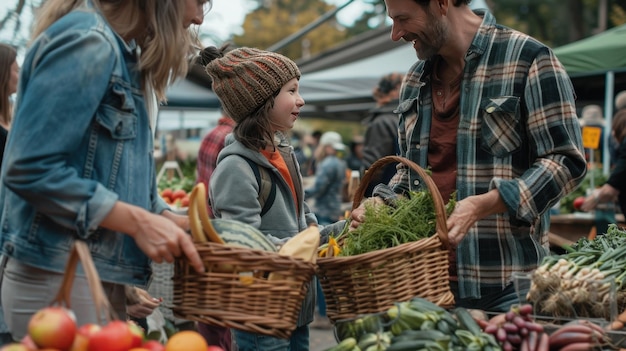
<point>326,190</point>
<point>80,141</point>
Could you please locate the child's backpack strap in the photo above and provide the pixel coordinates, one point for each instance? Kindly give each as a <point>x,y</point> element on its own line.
<point>267,187</point>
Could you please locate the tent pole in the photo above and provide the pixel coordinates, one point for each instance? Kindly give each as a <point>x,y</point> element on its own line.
<point>306,29</point>
<point>608,107</point>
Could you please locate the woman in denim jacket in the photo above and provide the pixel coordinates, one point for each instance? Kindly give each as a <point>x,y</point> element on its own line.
<point>78,163</point>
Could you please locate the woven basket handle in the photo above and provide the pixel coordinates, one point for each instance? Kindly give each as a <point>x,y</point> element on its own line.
<point>80,251</point>
<point>440,209</point>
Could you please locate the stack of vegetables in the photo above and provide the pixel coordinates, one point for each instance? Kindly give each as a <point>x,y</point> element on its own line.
<point>586,281</point>
<point>410,219</point>
<point>420,325</point>
<point>412,325</point>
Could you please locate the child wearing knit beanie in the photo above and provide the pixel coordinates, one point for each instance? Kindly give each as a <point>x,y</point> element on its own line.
<point>258,89</point>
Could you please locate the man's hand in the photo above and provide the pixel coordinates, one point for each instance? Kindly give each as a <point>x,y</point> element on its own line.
<point>358,214</point>
<point>461,220</point>
<point>470,210</point>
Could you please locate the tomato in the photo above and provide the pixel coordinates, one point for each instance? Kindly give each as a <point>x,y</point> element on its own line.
<point>178,194</point>
<point>166,194</point>
<point>184,202</point>
<point>578,202</point>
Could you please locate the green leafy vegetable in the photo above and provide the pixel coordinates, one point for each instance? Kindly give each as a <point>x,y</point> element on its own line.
<point>413,218</point>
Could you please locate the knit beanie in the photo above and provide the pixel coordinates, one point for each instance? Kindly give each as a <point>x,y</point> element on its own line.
<point>245,78</point>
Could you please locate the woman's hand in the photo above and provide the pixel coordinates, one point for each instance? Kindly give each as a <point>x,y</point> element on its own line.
<point>605,193</point>
<point>140,304</point>
<point>591,201</point>
<point>181,220</point>
<point>157,236</point>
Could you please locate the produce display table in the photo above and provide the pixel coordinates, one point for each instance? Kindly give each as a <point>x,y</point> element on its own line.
<point>574,226</point>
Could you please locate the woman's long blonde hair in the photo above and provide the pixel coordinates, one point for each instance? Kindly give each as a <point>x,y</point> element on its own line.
<point>166,46</point>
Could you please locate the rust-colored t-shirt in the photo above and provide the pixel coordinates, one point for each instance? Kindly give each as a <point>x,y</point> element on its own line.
<point>442,159</point>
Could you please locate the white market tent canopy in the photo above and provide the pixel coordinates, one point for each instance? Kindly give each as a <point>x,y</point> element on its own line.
<point>342,89</point>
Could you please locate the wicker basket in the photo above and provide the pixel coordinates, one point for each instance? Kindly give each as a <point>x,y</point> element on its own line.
<point>372,282</point>
<point>80,253</point>
<point>242,298</point>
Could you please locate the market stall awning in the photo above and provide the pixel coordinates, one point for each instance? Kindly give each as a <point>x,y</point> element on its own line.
<point>597,54</point>
<point>595,62</point>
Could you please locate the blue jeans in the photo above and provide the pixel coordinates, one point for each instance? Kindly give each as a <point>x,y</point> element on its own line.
<point>321,300</point>
<point>500,302</point>
<point>299,341</point>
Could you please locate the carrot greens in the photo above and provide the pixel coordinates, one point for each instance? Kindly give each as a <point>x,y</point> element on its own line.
<point>413,218</point>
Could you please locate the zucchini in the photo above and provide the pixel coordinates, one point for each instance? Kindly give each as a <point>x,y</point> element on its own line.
<point>346,344</point>
<point>412,345</point>
<point>466,321</point>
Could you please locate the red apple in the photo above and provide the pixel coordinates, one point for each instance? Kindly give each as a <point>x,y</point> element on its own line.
<point>15,347</point>
<point>153,345</point>
<point>137,333</point>
<point>81,340</point>
<point>214,348</point>
<point>53,327</point>
<point>115,336</point>
<point>28,342</point>
<point>578,202</point>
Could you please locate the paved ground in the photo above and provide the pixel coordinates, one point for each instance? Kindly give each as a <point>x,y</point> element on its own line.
<point>321,339</point>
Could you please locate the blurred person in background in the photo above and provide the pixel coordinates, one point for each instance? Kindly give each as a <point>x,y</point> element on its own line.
<point>620,104</point>
<point>620,100</point>
<point>329,177</point>
<point>211,145</point>
<point>9,75</point>
<point>326,192</point>
<point>299,148</point>
<point>311,144</point>
<point>381,134</point>
<point>354,160</point>
<point>615,187</point>
<point>592,116</point>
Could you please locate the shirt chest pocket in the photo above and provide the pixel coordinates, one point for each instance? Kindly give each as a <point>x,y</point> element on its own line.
<point>500,128</point>
<point>118,113</point>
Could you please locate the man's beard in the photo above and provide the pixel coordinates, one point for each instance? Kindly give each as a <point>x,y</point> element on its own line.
<point>433,41</point>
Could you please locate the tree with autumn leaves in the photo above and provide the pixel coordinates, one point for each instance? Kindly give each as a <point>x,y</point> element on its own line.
<point>277,19</point>
<point>554,22</point>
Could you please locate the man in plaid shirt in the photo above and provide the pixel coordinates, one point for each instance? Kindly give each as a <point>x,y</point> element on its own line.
<point>490,112</point>
<point>211,145</point>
